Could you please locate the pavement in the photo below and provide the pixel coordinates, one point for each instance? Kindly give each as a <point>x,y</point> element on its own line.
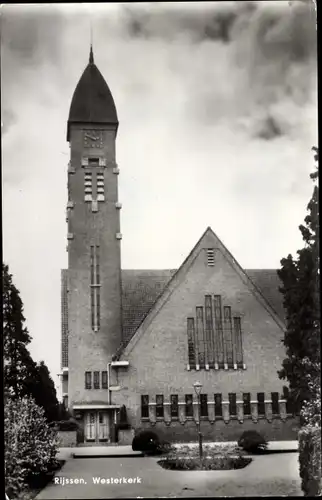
<point>127,476</point>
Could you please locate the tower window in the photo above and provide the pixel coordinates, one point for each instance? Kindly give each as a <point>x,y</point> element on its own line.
<point>95,288</point>
<point>96,380</point>
<point>104,380</point>
<point>88,380</point>
<point>246,403</point>
<point>93,162</point>
<point>100,186</point>
<point>88,186</point>
<point>211,257</point>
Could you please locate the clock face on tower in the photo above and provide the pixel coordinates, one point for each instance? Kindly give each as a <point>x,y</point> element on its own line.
<point>93,138</point>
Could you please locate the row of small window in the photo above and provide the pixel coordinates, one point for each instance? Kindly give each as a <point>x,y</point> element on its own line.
<point>232,398</point>
<point>96,380</point>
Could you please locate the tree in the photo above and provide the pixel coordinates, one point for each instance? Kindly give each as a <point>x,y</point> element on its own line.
<point>301,290</point>
<point>42,389</point>
<point>18,364</point>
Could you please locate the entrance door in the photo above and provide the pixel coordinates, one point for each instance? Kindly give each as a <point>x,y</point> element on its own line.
<point>90,426</point>
<point>97,426</point>
<point>103,433</point>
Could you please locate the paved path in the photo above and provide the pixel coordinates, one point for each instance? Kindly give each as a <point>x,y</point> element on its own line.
<point>268,475</point>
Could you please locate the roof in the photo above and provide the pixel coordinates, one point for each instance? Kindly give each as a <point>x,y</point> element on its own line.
<point>92,101</point>
<point>142,288</point>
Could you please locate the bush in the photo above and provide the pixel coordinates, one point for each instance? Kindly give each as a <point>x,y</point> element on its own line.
<point>310,460</point>
<point>30,444</point>
<point>65,425</point>
<point>252,442</point>
<point>149,442</point>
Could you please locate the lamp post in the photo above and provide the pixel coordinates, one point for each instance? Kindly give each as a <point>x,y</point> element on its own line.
<point>197,387</point>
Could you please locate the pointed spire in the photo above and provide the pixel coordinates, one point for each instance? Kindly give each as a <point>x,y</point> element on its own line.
<point>91,55</point>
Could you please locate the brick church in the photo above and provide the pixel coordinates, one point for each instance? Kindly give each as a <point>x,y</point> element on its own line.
<point>135,341</point>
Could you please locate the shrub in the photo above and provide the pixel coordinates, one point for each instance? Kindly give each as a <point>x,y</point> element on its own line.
<point>149,442</point>
<point>30,444</point>
<point>65,425</point>
<point>310,460</point>
<point>252,442</point>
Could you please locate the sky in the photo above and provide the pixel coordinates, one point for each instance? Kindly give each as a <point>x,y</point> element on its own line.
<point>217,104</point>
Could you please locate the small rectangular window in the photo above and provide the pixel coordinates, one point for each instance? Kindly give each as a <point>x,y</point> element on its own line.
<point>93,162</point>
<point>275,405</point>
<point>203,405</point>
<point>246,403</point>
<point>145,406</point>
<point>232,404</point>
<point>189,405</point>
<point>218,405</point>
<point>104,380</point>
<point>88,380</point>
<point>159,406</point>
<point>261,403</point>
<point>174,406</point>
<point>210,257</point>
<point>96,380</point>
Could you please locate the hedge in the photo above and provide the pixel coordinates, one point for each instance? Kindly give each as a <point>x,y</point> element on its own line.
<point>310,460</point>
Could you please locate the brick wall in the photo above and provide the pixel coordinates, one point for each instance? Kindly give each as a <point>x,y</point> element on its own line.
<point>158,358</point>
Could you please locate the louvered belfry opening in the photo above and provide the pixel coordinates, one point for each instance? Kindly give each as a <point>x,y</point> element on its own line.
<point>214,336</point>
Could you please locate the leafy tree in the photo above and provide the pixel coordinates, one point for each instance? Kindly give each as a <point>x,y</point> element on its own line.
<point>18,364</point>
<point>42,389</point>
<point>300,278</point>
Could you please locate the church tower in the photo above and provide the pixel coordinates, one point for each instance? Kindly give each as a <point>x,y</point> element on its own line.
<point>94,239</point>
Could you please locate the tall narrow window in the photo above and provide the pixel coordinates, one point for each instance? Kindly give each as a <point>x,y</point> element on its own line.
<point>210,257</point>
<point>95,288</point>
<point>88,185</point>
<point>246,403</point>
<point>88,380</point>
<point>261,403</point>
<point>100,186</point>
<point>228,335</point>
<point>96,380</point>
<point>219,347</point>
<point>238,341</point>
<point>189,405</point>
<point>191,342</point>
<point>174,405</point>
<point>159,406</point>
<point>145,406</point>
<point>232,404</point>
<point>200,336</point>
<point>275,405</point>
<point>203,405</point>
<point>209,330</point>
<point>218,405</point>
<point>104,380</point>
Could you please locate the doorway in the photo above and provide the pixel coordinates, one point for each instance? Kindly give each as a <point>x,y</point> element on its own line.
<point>97,428</point>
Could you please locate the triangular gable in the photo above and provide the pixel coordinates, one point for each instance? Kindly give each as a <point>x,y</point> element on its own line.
<point>213,242</point>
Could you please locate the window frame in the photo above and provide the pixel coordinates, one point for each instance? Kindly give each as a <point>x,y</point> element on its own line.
<point>88,380</point>
<point>96,380</point>
<point>216,396</point>
<point>104,383</point>
<point>232,398</point>
<point>145,406</point>
<point>189,405</point>
<point>203,405</point>
<point>159,407</point>
<point>174,406</point>
<point>275,399</point>
<point>261,404</point>
<point>246,404</point>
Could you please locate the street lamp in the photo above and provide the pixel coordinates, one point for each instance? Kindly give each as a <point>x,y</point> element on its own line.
<point>197,387</point>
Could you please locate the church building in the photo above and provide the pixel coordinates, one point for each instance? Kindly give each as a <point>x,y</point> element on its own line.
<point>134,342</point>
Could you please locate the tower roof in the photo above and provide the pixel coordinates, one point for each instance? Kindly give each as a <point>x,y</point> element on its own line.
<point>92,101</point>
